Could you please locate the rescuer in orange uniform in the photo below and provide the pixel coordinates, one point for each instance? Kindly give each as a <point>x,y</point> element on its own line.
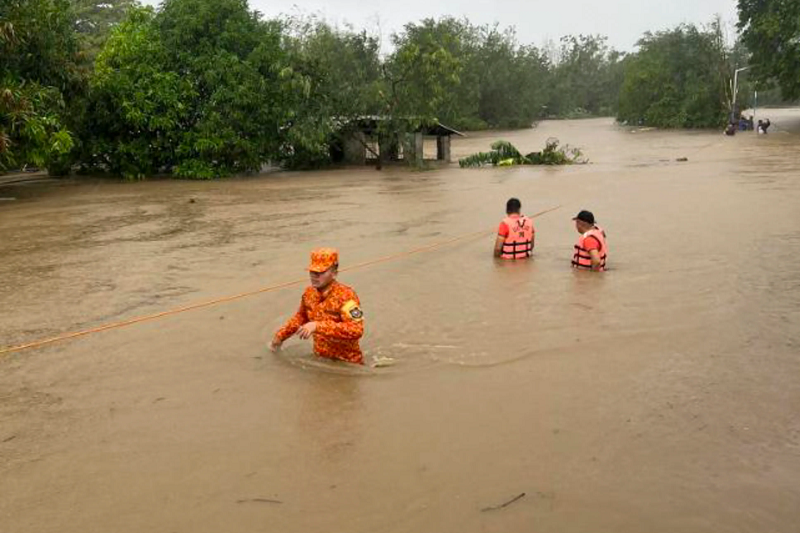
<point>591,250</point>
<point>516,235</point>
<point>329,311</point>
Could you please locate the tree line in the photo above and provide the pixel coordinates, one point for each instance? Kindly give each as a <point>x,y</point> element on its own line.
<point>207,88</point>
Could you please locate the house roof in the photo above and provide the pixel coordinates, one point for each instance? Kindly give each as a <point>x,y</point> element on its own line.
<point>369,124</point>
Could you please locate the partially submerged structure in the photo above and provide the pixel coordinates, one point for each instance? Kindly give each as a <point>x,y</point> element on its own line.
<point>378,139</point>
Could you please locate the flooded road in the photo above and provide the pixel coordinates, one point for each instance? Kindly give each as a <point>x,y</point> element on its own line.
<point>661,396</point>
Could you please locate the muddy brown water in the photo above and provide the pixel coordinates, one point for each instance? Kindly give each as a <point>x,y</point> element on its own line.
<point>661,396</point>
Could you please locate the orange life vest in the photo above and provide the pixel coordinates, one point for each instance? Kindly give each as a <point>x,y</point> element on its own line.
<point>519,241</point>
<point>581,258</point>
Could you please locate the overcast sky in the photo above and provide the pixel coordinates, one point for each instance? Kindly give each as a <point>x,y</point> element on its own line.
<point>536,21</point>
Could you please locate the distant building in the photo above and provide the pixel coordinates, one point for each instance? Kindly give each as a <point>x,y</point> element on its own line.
<point>377,139</point>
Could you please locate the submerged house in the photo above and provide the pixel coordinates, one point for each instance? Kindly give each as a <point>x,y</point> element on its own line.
<point>377,139</point>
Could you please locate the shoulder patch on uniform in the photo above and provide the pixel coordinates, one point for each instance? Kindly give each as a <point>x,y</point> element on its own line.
<point>352,310</point>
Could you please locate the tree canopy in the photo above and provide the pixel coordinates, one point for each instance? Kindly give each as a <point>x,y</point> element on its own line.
<point>771,31</point>
<point>94,20</point>
<point>586,77</point>
<point>200,88</point>
<point>679,78</point>
<point>207,88</point>
<point>39,75</point>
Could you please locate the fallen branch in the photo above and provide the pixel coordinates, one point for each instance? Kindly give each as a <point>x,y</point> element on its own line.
<point>506,504</point>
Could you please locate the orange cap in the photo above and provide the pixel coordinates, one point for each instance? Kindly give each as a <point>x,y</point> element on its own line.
<point>323,258</point>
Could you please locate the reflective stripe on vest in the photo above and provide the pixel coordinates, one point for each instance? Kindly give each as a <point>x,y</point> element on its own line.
<point>519,241</point>
<point>581,257</point>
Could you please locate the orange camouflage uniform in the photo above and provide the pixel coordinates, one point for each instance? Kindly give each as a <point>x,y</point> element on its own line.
<point>339,321</point>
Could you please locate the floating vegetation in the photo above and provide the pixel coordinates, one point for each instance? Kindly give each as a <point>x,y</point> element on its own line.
<point>505,154</point>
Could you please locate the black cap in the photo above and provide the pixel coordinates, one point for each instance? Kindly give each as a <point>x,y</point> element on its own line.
<point>585,216</point>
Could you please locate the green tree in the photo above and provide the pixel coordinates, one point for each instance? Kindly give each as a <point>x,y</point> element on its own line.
<point>341,70</point>
<point>771,31</point>
<point>679,78</point>
<point>39,75</point>
<point>423,73</point>
<point>420,80</point>
<point>511,80</point>
<point>200,88</point>
<point>138,106</point>
<point>586,77</point>
<point>94,20</point>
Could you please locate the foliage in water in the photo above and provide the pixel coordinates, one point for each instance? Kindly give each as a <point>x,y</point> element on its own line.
<point>504,153</point>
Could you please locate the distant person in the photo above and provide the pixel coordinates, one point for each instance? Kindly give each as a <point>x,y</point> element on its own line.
<point>330,312</point>
<point>730,130</point>
<point>591,251</point>
<point>763,126</point>
<point>745,123</point>
<point>516,235</point>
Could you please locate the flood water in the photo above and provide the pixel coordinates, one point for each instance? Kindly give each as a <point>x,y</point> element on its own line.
<point>660,396</point>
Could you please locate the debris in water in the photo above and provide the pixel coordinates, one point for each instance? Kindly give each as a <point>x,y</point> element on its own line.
<point>9,439</point>
<point>258,500</point>
<point>505,154</point>
<point>506,504</point>
<point>382,361</point>
<point>682,159</point>
<point>7,199</point>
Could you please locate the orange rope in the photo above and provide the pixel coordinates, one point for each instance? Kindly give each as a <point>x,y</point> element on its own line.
<point>217,301</point>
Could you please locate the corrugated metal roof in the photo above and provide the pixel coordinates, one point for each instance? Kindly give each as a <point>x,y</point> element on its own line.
<point>369,124</point>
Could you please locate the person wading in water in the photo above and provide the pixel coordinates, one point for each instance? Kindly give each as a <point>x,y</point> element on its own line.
<point>591,250</point>
<point>330,312</point>
<point>516,235</point>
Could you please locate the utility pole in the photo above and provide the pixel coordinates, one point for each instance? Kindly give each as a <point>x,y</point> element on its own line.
<point>736,82</point>
<point>755,107</point>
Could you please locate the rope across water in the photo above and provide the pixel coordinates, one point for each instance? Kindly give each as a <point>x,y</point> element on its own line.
<point>226,299</point>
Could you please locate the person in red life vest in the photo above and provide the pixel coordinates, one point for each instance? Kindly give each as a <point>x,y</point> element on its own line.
<point>591,251</point>
<point>330,312</point>
<point>516,235</point>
